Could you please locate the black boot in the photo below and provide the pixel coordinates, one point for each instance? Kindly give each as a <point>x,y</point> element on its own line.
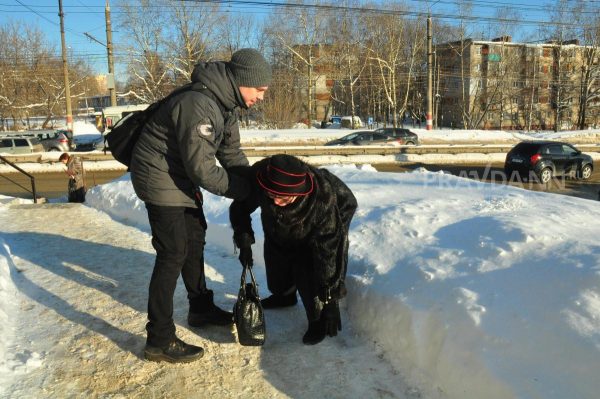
<point>279,301</point>
<point>204,311</point>
<point>175,351</point>
<point>315,333</point>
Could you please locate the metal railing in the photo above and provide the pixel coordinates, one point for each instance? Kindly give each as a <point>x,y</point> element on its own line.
<point>31,178</point>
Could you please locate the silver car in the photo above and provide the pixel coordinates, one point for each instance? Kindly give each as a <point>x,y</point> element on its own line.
<point>20,145</point>
<point>54,141</point>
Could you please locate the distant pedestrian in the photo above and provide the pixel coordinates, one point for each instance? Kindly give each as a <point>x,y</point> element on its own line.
<point>76,173</point>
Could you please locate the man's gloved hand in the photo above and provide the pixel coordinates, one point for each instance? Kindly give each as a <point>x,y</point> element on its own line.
<point>246,256</point>
<point>330,317</point>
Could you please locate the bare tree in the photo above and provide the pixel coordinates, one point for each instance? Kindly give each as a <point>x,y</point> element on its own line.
<point>279,109</point>
<point>239,31</point>
<point>300,31</point>
<point>194,37</point>
<point>563,85</point>
<point>590,70</point>
<point>31,75</point>
<point>145,25</point>
<point>346,58</point>
<point>393,47</point>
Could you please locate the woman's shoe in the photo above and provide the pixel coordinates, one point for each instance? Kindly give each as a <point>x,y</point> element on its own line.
<point>315,333</point>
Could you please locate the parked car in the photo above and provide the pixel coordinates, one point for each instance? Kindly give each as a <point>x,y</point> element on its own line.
<point>351,122</point>
<point>362,138</point>
<point>20,144</point>
<point>403,136</point>
<point>335,119</point>
<point>547,159</point>
<point>54,141</point>
<point>91,145</point>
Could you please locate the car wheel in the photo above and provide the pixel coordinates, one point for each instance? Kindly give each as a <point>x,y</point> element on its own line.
<point>586,172</point>
<point>410,143</point>
<point>545,175</point>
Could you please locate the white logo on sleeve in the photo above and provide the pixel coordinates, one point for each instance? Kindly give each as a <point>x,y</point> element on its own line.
<point>205,130</point>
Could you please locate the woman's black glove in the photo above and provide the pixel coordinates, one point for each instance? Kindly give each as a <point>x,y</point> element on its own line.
<point>244,242</point>
<point>246,256</point>
<point>330,317</point>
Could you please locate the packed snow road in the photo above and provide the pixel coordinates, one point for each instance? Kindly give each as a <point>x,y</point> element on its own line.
<point>81,282</point>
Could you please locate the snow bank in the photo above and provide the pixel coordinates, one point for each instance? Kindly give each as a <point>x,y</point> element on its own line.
<point>476,290</point>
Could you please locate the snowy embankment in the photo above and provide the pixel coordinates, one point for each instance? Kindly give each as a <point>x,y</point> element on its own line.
<point>471,289</point>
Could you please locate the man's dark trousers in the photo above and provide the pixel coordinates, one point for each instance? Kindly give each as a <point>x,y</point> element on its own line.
<point>178,236</point>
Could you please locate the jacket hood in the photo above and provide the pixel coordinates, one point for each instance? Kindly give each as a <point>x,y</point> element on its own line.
<point>217,78</point>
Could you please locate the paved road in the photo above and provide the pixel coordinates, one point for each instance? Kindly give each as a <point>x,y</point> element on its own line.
<point>588,189</point>
<point>54,185</point>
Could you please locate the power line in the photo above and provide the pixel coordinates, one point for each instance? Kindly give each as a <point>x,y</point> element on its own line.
<point>36,13</point>
<point>251,7</point>
<point>373,10</point>
<point>46,19</point>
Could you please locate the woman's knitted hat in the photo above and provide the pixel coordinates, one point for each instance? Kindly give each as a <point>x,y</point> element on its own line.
<point>250,69</point>
<point>285,175</point>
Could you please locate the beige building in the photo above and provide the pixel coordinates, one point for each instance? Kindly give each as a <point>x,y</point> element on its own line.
<point>315,80</point>
<point>499,84</point>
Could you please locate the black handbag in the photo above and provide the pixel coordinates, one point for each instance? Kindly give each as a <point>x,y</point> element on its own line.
<point>248,313</point>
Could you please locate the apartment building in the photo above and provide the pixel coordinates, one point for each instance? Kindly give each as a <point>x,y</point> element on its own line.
<point>499,84</point>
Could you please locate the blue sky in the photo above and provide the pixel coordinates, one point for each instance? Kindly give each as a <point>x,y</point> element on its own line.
<point>87,16</point>
<point>81,16</point>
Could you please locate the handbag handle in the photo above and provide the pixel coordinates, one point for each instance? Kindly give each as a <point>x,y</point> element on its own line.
<point>243,280</point>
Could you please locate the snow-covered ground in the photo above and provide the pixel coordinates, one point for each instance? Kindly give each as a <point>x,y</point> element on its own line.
<point>465,289</point>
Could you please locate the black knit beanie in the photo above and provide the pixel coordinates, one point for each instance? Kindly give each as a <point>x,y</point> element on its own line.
<point>250,68</point>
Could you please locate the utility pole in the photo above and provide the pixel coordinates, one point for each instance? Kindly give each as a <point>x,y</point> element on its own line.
<point>110,81</point>
<point>429,121</point>
<point>65,68</point>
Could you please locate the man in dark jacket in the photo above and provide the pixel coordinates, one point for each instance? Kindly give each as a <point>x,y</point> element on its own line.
<point>306,214</point>
<point>174,157</point>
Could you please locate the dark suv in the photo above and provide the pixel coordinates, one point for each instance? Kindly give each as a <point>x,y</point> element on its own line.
<point>403,136</point>
<point>546,159</point>
<point>362,137</point>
